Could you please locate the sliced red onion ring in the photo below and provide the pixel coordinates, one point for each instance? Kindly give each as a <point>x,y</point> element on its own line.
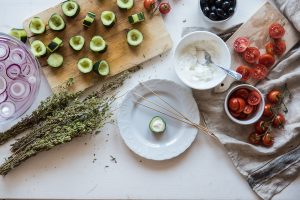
<point>2,84</point>
<point>4,51</point>
<point>2,67</point>
<point>3,97</point>
<point>19,90</point>
<point>7,109</point>
<point>13,71</point>
<point>18,56</point>
<point>25,69</point>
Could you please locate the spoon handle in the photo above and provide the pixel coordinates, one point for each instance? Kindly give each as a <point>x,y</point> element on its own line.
<point>232,73</point>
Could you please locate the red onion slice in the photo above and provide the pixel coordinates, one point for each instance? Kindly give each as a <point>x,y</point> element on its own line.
<point>19,90</point>
<point>4,51</point>
<point>13,71</point>
<point>18,56</point>
<point>7,109</point>
<point>3,97</point>
<point>2,67</point>
<point>2,84</point>
<point>25,69</point>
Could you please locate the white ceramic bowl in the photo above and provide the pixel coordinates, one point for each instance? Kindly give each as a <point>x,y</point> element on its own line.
<point>255,116</point>
<point>225,57</point>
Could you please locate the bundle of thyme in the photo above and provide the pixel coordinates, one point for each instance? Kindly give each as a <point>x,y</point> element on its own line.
<point>58,120</point>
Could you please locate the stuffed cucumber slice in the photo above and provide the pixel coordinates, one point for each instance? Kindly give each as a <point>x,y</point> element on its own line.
<point>89,19</point>
<point>38,48</point>
<point>125,4</point>
<point>136,18</point>
<point>56,22</point>
<point>101,68</point>
<point>20,34</point>
<point>98,44</point>
<point>134,37</point>
<point>85,65</point>
<point>108,18</point>
<point>37,26</point>
<point>55,60</point>
<point>77,42</point>
<point>70,8</point>
<point>54,44</point>
<point>157,125</point>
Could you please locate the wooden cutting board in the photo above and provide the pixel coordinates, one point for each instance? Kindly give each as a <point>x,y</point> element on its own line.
<point>119,55</point>
<point>256,28</point>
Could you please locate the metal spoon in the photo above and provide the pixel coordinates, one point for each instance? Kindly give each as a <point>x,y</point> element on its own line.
<point>230,72</point>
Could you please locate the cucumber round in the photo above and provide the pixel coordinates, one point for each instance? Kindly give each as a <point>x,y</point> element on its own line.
<point>134,37</point>
<point>125,4</point>
<point>70,8</point>
<point>98,44</point>
<point>55,60</point>
<point>157,125</point>
<point>56,22</point>
<point>108,18</point>
<point>77,42</point>
<point>20,34</point>
<point>37,26</point>
<point>85,65</point>
<point>38,48</point>
<point>101,68</point>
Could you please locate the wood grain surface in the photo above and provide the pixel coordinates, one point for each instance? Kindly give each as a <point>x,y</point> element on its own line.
<point>256,29</point>
<point>119,54</point>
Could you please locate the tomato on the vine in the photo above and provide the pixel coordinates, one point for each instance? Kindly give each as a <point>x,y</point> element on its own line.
<point>267,60</point>
<point>276,31</point>
<point>280,47</point>
<point>149,4</point>
<point>279,121</point>
<point>254,98</point>
<point>274,96</point>
<point>251,55</point>
<point>254,138</point>
<point>261,126</point>
<point>268,112</point>
<point>241,44</point>
<point>164,8</point>
<point>242,93</point>
<point>268,140</point>
<point>245,71</point>
<point>260,72</point>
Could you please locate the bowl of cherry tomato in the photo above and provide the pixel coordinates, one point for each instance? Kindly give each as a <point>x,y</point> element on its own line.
<point>216,11</point>
<point>244,104</point>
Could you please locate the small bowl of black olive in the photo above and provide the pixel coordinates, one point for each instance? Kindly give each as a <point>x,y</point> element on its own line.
<point>218,10</point>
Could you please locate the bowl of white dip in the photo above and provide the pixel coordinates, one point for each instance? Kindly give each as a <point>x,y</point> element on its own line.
<point>190,63</point>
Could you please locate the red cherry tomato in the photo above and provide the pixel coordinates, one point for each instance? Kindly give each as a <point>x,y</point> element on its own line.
<point>274,96</point>
<point>149,4</point>
<point>242,93</point>
<point>267,60</point>
<point>254,98</point>
<point>260,72</point>
<point>234,114</point>
<point>261,126</point>
<point>270,48</point>
<point>280,47</point>
<point>164,8</point>
<point>251,55</point>
<point>242,104</point>
<point>279,121</point>
<point>234,104</point>
<point>268,140</point>
<point>242,116</point>
<point>276,31</point>
<point>268,112</point>
<point>248,109</point>
<point>245,72</point>
<point>241,44</point>
<point>254,138</point>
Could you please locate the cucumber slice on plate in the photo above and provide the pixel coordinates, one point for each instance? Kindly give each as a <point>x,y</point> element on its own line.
<point>38,48</point>
<point>56,22</point>
<point>54,44</point>
<point>98,44</point>
<point>136,18</point>
<point>37,26</point>
<point>77,42</point>
<point>85,65</point>
<point>20,34</point>
<point>134,37</point>
<point>55,60</point>
<point>157,125</point>
<point>125,4</point>
<point>108,18</point>
<point>70,8</point>
<point>89,19</point>
<point>101,68</point>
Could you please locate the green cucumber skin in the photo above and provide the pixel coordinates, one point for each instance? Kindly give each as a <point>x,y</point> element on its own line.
<point>155,131</point>
<point>77,12</point>
<point>87,24</point>
<point>22,38</point>
<point>102,51</point>
<point>111,25</point>
<point>126,8</point>
<point>96,68</point>
<point>59,29</point>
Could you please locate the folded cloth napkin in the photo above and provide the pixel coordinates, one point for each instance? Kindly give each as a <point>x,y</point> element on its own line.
<point>267,170</point>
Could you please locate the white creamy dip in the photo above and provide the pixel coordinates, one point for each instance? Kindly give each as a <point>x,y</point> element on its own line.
<point>192,64</point>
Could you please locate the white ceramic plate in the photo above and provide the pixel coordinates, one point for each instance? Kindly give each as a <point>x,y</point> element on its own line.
<point>133,120</point>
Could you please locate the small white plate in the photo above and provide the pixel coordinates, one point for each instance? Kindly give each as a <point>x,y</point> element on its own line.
<point>133,120</point>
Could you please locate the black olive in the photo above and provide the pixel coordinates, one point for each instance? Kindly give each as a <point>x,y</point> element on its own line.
<point>220,12</point>
<point>225,16</point>
<point>212,2</point>
<point>204,3</point>
<point>213,16</point>
<point>232,3</point>
<point>206,11</point>
<point>225,5</point>
<point>219,3</point>
<point>213,9</point>
<point>230,11</point>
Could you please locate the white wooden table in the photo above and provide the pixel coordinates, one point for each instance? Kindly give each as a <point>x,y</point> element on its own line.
<point>83,168</point>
